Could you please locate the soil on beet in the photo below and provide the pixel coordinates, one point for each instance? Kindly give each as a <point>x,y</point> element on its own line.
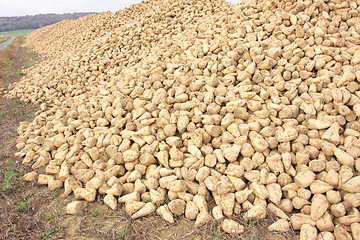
<point>30,211</point>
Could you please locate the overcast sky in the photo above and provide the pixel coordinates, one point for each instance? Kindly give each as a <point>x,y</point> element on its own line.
<point>32,7</point>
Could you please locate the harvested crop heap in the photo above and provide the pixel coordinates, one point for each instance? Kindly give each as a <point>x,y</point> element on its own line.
<point>256,105</point>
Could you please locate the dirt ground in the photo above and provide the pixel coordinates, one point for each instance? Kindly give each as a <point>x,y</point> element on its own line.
<point>29,211</point>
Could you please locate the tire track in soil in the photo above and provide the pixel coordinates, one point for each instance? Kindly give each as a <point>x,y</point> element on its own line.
<point>5,44</point>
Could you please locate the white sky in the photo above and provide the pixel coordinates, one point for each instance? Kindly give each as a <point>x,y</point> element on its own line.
<point>32,7</point>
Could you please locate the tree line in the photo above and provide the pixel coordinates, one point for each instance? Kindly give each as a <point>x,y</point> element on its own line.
<point>36,21</point>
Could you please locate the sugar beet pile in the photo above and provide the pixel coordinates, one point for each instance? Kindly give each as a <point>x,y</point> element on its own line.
<point>167,104</point>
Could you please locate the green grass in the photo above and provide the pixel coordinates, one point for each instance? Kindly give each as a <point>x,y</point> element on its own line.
<point>50,217</point>
<point>3,39</point>
<point>20,73</point>
<point>220,235</point>
<point>49,234</point>
<point>10,162</point>
<point>7,183</point>
<point>17,32</point>
<point>23,206</point>
<point>94,212</point>
<point>121,233</point>
<point>252,222</point>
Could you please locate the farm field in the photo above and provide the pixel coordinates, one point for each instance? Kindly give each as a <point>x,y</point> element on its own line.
<point>3,39</point>
<point>16,32</point>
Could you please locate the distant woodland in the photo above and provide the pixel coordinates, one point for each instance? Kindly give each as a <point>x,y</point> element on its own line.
<point>37,21</point>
